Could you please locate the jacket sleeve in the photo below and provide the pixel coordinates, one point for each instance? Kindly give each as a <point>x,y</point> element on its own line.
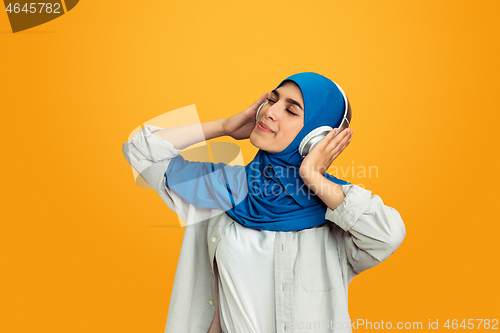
<point>371,230</point>
<point>150,155</point>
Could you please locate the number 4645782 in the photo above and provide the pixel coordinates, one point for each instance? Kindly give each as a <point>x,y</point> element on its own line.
<point>49,8</point>
<point>472,324</point>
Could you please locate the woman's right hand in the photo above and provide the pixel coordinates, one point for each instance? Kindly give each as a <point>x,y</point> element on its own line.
<point>241,125</point>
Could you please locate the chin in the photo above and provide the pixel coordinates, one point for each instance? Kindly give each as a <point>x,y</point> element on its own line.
<point>257,141</point>
<point>261,143</point>
<point>253,141</point>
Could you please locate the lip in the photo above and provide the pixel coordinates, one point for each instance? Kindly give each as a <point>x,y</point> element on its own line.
<point>264,128</point>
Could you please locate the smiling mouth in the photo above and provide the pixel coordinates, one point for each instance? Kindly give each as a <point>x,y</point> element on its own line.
<point>263,129</point>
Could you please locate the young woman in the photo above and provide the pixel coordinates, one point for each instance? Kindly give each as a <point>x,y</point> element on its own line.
<point>271,246</point>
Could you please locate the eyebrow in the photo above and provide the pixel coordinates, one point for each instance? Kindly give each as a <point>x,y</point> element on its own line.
<point>289,100</point>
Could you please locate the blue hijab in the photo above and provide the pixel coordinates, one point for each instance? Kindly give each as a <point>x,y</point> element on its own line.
<point>268,193</point>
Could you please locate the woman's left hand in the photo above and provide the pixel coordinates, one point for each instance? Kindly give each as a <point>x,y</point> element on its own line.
<point>325,152</point>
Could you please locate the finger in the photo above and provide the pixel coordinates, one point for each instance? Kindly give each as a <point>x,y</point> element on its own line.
<point>341,134</point>
<point>263,97</point>
<point>331,134</point>
<point>344,146</point>
<point>328,138</point>
<point>336,141</point>
<point>335,144</point>
<point>345,139</point>
<point>260,100</point>
<point>340,148</point>
<point>345,133</point>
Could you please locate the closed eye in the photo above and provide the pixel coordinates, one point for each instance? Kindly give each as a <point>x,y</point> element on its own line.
<point>271,101</point>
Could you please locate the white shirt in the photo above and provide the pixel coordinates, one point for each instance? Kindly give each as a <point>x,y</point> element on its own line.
<point>246,280</point>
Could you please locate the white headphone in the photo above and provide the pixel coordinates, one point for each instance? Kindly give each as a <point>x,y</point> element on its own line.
<point>317,134</point>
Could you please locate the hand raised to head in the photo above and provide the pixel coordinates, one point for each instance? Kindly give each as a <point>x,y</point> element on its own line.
<point>325,152</point>
<point>241,125</point>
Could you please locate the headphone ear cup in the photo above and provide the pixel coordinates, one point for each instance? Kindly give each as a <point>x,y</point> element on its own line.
<point>312,139</point>
<point>258,110</point>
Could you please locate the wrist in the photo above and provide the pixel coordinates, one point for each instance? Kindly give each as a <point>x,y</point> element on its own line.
<point>220,125</point>
<point>212,129</point>
<point>310,176</point>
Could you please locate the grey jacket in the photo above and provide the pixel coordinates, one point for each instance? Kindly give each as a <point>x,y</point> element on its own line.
<point>313,267</point>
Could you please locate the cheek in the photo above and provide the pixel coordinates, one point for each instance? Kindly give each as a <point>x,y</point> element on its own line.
<point>297,129</point>
<point>290,135</point>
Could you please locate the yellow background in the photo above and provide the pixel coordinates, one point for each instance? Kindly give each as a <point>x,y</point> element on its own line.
<point>84,249</point>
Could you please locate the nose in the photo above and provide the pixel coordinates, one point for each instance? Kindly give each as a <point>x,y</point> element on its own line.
<point>273,111</point>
